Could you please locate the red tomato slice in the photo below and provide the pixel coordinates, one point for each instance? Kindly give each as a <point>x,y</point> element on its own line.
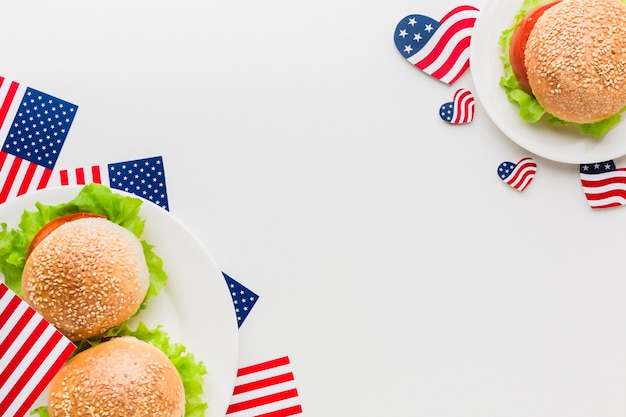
<point>518,44</point>
<point>52,225</point>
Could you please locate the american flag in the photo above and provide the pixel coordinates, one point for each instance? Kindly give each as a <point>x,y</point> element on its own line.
<point>35,126</point>
<point>440,49</point>
<point>604,184</point>
<point>266,389</point>
<point>33,351</point>
<point>143,177</point>
<point>519,175</point>
<point>243,298</point>
<point>460,109</point>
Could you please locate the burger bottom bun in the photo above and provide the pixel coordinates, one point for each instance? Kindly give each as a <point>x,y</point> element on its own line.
<point>123,377</point>
<point>576,59</point>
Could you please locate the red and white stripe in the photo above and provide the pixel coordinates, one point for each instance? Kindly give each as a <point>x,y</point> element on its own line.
<point>446,55</point>
<point>266,389</point>
<point>17,175</point>
<point>9,91</point>
<point>605,190</point>
<point>83,175</point>
<point>33,351</point>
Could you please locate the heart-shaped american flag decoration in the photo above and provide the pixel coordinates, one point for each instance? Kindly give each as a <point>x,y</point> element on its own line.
<point>439,48</point>
<point>460,110</point>
<point>520,175</point>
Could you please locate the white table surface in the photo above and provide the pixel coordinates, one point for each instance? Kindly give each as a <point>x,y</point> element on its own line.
<point>394,268</point>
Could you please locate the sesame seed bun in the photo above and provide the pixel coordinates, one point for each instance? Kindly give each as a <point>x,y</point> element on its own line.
<point>86,276</point>
<point>576,59</point>
<point>123,377</point>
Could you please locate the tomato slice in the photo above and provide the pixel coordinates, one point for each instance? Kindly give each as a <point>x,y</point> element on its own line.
<point>53,224</point>
<point>519,40</point>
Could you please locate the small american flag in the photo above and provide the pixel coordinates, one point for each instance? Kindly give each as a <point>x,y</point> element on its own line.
<point>33,351</point>
<point>460,109</point>
<point>604,184</point>
<point>243,299</point>
<point>143,177</point>
<point>520,175</point>
<point>266,389</point>
<point>440,49</point>
<point>35,126</point>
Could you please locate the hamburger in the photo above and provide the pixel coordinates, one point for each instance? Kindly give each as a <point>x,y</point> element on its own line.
<point>114,371</point>
<point>82,264</point>
<point>567,59</point>
<point>86,275</point>
<point>123,376</point>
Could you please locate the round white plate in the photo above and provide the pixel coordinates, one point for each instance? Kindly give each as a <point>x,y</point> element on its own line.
<point>195,307</point>
<point>558,144</point>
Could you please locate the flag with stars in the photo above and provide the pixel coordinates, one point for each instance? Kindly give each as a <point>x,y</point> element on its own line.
<point>33,351</point>
<point>604,184</point>
<point>243,299</point>
<point>143,177</point>
<point>35,126</point>
<point>440,49</point>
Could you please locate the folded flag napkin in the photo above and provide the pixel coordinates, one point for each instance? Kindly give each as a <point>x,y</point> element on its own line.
<point>32,353</point>
<point>243,298</point>
<point>35,126</point>
<point>265,389</point>
<point>143,177</point>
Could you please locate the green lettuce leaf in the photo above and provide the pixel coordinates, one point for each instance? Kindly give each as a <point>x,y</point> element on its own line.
<point>92,198</point>
<point>191,370</point>
<point>530,109</point>
<point>40,411</point>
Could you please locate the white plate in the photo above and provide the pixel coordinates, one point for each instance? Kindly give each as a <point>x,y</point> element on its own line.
<point>558,144</point>
<point>195,307</point>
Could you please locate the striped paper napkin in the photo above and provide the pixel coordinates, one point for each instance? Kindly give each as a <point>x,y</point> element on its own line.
<point>266,389</point>
<point>32,352</point>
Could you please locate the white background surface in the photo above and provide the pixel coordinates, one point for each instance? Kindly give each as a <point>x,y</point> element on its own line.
<point>394,268</point>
